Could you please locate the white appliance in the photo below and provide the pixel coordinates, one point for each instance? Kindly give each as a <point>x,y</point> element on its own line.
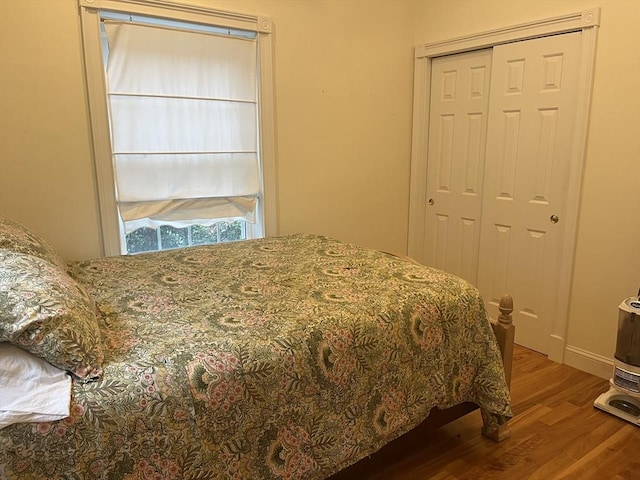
<point>623,397</point>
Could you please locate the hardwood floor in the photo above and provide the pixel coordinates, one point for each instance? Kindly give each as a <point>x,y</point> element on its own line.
<point>556,433</point>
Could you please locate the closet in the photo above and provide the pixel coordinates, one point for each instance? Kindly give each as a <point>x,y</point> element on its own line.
<point>493,198</point>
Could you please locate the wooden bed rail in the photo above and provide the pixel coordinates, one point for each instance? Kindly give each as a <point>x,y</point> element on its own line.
<point>505,332</point>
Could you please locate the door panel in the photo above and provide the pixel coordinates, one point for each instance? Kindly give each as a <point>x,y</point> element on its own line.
<point>529,142</point>
<point>457,136</point>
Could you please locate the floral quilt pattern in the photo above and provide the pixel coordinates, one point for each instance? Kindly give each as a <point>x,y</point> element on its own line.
<point>280,358</point>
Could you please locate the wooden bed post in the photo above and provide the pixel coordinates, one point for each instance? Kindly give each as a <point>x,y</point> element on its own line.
<point>496,428</point>
<point>505,331</point>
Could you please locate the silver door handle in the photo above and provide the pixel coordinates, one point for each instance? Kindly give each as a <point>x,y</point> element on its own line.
<point>554,218</point>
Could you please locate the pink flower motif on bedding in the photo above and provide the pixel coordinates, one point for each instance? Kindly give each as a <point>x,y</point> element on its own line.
<point>425,328</point>
<point>287,454</point>
<point>243,318</point>
<point>76,412</point>
<point>97,467</point>
<point>342,271</point>
<point>155,468</point>
<point>42,428</point>
<point>118,341</point>
<point>152,305</point>
<point>213,379</point>
<point>180,415</point>
<point>391,412</point>
<point>344,296</point>
<point>60,430</point>
<point>336,356</point>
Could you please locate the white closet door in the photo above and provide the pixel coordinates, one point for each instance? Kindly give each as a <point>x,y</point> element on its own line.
<point>457,133</point>
<point>530,138</point>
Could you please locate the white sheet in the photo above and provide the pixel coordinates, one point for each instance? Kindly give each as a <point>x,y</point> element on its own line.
<point>31,389</point>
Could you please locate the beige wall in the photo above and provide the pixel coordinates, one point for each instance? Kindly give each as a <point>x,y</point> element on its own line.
<point>344,72</point>
<point>344,79</point>
<point>607,261</point>
<point>46,176</point>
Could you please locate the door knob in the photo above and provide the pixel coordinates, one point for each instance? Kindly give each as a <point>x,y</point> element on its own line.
<point>554,218</point>
<point>431,202</point>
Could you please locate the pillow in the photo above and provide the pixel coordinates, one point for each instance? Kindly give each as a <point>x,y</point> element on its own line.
<point>31,390</point>
<point>19,238</point>
<point>45,311</point>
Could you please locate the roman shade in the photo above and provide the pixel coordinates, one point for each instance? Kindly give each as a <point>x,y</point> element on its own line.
<point>184,125</point>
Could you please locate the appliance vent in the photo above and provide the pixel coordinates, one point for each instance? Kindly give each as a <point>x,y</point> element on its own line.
<point>627,380</point>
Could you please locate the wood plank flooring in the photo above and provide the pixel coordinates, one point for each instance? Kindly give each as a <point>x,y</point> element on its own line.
<point>556,433</point>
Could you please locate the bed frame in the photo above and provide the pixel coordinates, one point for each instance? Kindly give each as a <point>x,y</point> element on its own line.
<point>494,428</point>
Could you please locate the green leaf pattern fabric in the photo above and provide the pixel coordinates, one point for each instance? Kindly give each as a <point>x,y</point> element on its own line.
<point>18,238</point>
<point>46,312</point>
<point>279,358</point>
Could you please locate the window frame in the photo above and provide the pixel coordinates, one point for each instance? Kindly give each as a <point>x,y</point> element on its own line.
<point>112,240</point>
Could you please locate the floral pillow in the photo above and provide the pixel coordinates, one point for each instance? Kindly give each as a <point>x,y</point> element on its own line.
<point>19,238</point>
<point>45,311</point>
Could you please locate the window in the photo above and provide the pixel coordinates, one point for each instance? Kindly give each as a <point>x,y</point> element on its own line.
<point>166,237</point>
<point>182,120</point>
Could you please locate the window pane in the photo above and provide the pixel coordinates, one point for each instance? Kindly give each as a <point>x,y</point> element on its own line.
<point>146,239</point>
<point>230,231</point>
<point>201,235</point>
<point>173,237</point>
<point>142,240</point>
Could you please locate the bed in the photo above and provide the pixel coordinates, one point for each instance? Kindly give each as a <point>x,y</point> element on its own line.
<point>289,357</point>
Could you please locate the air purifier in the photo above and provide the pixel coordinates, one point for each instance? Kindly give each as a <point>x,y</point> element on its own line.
<point>623,397</point>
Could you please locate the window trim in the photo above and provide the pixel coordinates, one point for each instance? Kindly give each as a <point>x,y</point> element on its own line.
<point>99,111</point>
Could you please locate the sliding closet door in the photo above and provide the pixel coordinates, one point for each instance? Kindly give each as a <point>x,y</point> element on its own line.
<point>530,139</point>
<point>457,132</point>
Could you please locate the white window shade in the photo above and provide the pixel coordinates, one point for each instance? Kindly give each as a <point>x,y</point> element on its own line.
<point>161,125</point>
<point>183,125</point>
<point>143,178</point>
<point>183,213</point>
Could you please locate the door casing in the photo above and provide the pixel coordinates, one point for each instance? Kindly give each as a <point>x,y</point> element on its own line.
<point>586,22</point>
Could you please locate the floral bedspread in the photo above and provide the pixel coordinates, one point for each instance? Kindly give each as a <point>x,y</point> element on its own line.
<point>289,357</point>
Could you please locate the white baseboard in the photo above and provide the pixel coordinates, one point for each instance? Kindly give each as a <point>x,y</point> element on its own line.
<point>588,362</point>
